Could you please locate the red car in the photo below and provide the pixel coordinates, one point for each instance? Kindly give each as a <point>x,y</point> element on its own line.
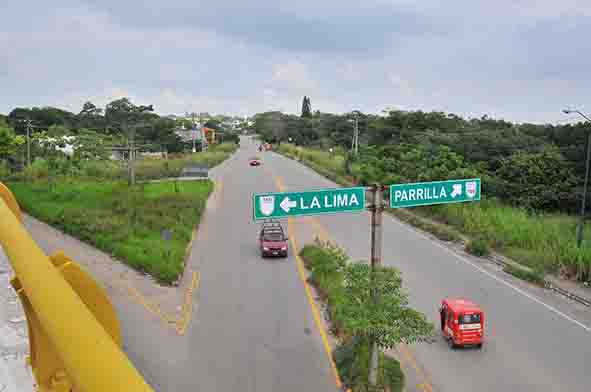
<point>272,240</point>
<point>254,162</point>
<point>462,322</point>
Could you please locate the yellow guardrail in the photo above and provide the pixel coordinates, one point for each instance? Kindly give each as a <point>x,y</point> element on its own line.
<point>74,333</point>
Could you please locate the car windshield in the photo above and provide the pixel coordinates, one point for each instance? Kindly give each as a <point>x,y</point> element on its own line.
<point>273,236</point>
<point>470,319</point>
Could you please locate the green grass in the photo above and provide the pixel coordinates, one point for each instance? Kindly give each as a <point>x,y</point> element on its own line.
<point>126,222</point>
<point>544,242</point>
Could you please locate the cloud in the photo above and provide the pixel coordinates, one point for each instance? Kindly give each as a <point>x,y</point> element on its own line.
<point>521,60</point>
<point>402,85</point>
<point>293,75</point>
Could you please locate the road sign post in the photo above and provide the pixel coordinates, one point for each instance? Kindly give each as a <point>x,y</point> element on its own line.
<point>376,209</point>
<point>325,201</point>
<point>436,192</point>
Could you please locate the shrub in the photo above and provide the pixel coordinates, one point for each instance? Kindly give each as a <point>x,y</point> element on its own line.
<point>478,247</point>
<point>535,276</point>
<point>4,171</point>
<point>392,374</point>
<point>100,169</point>
<point>38,169</point>
<point>352,359</point>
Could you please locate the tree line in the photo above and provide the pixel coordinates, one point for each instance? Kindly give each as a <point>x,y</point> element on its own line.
<point>539,167</point>
<point>92,131</point>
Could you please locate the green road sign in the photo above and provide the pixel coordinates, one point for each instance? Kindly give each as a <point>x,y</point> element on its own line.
<point>325,201</point>
<point>437,192</point>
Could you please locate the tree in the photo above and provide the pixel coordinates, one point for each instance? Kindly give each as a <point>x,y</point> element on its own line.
<point>9,142</point>
<point>375,308</point>
<point>89,144</point>
<point>306,108</point>
<point>90,109</point>
<point>127,118</point>
<point>537,181</point>
<point>213,124</point>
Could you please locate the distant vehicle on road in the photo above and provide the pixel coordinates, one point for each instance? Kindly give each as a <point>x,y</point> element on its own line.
<point>272,239</point>
<point>254,161</point>
<point>462,322</point>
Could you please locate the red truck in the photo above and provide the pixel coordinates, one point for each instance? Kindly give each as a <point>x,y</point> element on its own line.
<point>273,240</point>
<point>462,322</point>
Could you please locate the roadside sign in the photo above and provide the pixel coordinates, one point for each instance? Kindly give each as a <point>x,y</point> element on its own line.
<point>436,192</point>
<point>325,201</point>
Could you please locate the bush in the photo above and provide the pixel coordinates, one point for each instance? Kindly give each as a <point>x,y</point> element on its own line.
<point>352,359</point>
<point>478,247</point>
<point>392,374</point>
<point>109,170</point>
<point>534,276</point>
<point>38,169</point>
<point>4,170</point>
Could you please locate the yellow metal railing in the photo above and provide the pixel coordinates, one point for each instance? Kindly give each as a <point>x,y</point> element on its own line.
<point>73,330</point>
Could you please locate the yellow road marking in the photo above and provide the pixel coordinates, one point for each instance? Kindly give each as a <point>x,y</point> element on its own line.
<point>315,311</point>
<point>409,357</point>
<point>152,308</point>
<point>280,184</point>
<point>181,323</point>
<point>301,271</point>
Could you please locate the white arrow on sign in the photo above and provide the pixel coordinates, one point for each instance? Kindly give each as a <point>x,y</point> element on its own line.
<point>287,204</point>
<point>457,190</point>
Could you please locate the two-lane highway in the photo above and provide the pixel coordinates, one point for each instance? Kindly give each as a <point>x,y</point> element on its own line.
<point>536,341</point>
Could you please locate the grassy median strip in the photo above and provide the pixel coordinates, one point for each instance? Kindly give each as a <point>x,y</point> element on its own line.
<point>328,271</point>
<point>127,222</point>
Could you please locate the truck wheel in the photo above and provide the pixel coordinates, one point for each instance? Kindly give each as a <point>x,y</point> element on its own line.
<point>479,346</point>
<point>452,344</point>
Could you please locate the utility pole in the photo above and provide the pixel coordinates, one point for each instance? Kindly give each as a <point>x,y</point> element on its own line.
<point>355,142</point>
<point>356,134</point>
<point>194,130</point>
<point>376,209</point>
<point>131,152</point>
<point>581,225</point>
<point>28,125</point>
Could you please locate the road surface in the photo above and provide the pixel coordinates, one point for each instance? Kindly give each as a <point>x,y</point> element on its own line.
<point>536,341</point>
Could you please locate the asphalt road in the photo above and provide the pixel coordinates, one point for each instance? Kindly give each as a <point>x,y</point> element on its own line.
<point>536,341</point>
<point>252,328</point>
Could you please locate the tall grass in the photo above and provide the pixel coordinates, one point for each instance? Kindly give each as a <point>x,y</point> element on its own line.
<point>330,166</point>
<point>125,221</point>
<point>546,240</point>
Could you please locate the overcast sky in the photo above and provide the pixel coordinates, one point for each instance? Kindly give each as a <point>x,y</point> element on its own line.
<point>521,60</point>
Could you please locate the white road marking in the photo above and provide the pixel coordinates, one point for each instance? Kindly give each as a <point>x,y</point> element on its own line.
<point>549,307</point>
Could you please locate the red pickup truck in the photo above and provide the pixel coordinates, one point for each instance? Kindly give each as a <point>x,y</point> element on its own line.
<point>272,240</point>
